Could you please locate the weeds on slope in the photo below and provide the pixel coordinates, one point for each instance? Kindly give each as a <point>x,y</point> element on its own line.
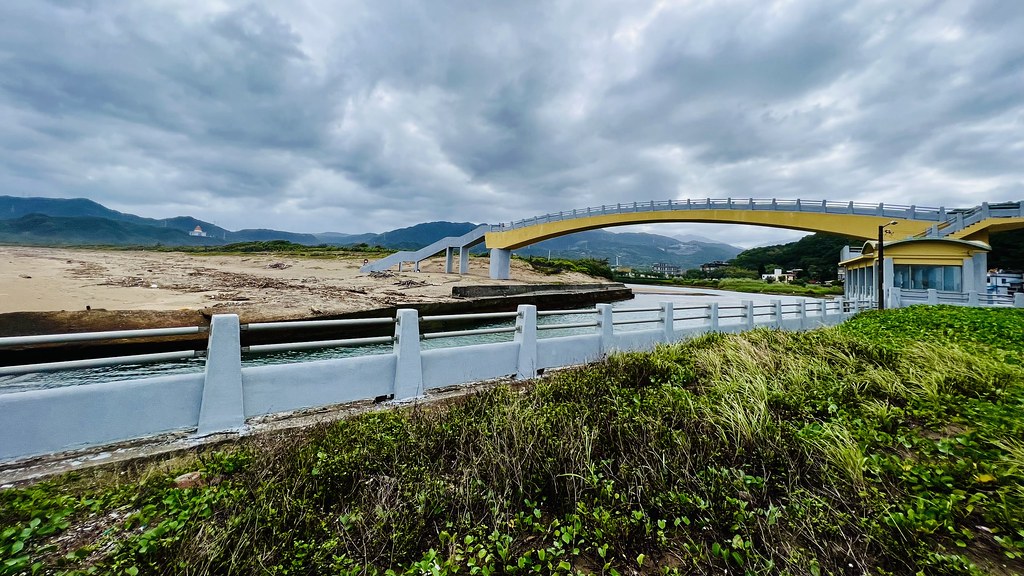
<point>766,452</point>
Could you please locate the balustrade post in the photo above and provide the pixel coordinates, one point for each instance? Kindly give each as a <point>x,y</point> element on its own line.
<point>222,408</point>
<point>605,328</point>
<point>972,298</point>
<point>408,366</point>
<point>713,317</point>
<point>1018,300</point>
<point>526,337</point>
<point>933,296</point>
<point>748,306</point>
<point>778,313</point>
<point>803,314</point>
<point>668,314</point>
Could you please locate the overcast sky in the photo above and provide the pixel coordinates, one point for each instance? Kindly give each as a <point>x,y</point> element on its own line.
<point>313,116</point>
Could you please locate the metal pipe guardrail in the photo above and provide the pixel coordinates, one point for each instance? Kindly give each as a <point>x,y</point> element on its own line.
<point>566,326</point>
<point>100,362</point>
<point>296,346</point>
<point>263,326</point>
<point>92,336</point>
<point>636,321</point>
<point>481,316</point>
<point>566,312</point>
<point>477,332</point>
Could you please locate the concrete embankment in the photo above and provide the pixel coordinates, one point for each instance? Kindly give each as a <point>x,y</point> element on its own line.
<point>471,299</point>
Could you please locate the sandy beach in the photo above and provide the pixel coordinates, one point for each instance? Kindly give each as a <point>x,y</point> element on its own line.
<point>264,286</point>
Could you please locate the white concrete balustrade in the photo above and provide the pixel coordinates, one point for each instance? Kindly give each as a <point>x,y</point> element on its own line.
<point>226,395</point>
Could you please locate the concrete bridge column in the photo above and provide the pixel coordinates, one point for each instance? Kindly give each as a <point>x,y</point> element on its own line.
<point>464,260</point>
<point>501,264</point>
<point>449,254</point>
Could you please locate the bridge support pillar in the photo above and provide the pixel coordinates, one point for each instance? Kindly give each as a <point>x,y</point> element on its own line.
<point>222,407</point>
<point>464,260</point>
<point>449,256</point>
<point>501,264</point>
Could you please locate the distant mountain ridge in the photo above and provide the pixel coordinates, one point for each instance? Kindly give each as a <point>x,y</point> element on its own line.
<point>78,221</point>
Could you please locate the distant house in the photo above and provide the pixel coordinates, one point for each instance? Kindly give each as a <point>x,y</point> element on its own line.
<point>1005,282</point>
<point>666,269</point>
<point>780,276</point>
<point>198,232</point>
<point>712,266</point>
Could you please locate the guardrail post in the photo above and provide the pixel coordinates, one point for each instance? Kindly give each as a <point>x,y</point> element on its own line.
<point>984,210</point>
<point>605,328</point>
<point>668,320</point>
<point>526,337</point>
<point>222,408</point>
<point>803,314</point>
<point>1018,300</point>
<point>933,296</point>
<point>408,366</point>
<point>972,298</point>
<point>840,306</point>
<point>713,317</point>
<point>749,311</point>
<point>895,298</point>
<point>778,313</point>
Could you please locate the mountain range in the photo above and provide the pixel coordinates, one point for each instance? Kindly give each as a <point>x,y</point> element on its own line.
<point>79,221</point>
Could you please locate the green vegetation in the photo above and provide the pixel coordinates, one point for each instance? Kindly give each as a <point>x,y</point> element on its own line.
<point>817,255</point>
<point>1007,250</point>
<point>589,266</point>
<point>889,445</point>
<point>275,247</point>
<point>740,285</point>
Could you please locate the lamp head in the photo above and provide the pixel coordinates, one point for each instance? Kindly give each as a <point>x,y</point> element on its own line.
<point>891,222</point>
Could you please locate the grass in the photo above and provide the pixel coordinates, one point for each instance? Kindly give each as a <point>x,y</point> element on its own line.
<point>743,285</point>
<point>889,445</point>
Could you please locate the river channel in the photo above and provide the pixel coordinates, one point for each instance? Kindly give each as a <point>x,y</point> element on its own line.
<point>644,297</point>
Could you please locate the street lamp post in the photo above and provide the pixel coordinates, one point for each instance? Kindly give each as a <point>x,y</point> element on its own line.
<point>881,262</point>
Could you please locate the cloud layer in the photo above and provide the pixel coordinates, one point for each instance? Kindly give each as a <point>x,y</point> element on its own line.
<point>364,116</point>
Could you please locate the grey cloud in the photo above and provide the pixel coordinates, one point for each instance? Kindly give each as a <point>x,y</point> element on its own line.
<point>356,116</point>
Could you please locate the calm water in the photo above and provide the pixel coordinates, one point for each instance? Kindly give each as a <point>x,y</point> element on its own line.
<point>645,297</point>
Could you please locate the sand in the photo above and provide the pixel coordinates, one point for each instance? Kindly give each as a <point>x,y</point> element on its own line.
<point>259,285</point>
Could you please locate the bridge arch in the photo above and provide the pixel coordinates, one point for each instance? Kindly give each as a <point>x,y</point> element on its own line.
<point>843,218</point>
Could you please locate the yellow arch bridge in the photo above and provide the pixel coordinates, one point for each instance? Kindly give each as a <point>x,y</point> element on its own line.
<point>850,219</point>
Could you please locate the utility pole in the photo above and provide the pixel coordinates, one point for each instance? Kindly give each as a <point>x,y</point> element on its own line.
<point>881,262</point>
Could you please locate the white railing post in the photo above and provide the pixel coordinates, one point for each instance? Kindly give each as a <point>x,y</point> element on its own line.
<point>841,306</point>
<point>605,328</point>
<point>749,311</point>
<point>668,312</point>
<point>972,298</point>
<point>408,366</point>
<point>222,408</point>
<point>933,296</point>
<point>713,317</point>
<point>896,297</point>
<point>803,314</point>
<point>526,337</point>
<point>1018,300</point>
<point>778,313</point>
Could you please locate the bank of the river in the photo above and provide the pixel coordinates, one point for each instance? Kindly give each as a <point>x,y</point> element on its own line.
<point>743,285</point>
<point>888,445</point>
<point>485,298</point>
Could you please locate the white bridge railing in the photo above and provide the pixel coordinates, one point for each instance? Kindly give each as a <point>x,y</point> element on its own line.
<point>760,204</point>
<point>901,297</point>
<point>226,394</point>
